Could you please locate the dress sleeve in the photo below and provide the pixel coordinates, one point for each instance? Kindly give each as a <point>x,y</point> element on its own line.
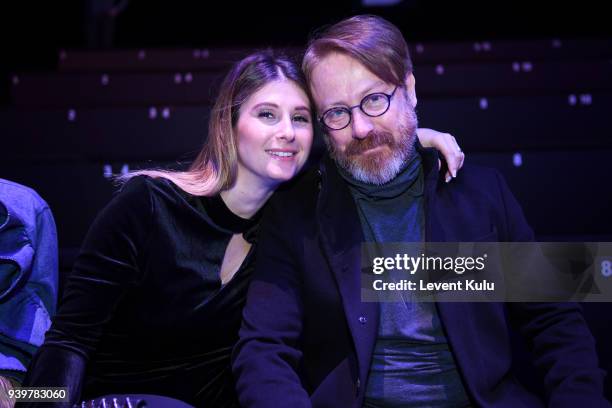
<point>104,271</point>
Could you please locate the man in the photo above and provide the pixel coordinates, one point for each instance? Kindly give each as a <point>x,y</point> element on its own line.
<point>28,280</point>
<point>308,339</point>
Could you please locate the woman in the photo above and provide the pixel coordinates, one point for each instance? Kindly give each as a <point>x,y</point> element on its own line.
<point>154,302</point>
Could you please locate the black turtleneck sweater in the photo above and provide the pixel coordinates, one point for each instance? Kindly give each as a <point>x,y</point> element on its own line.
<point>144,310</point>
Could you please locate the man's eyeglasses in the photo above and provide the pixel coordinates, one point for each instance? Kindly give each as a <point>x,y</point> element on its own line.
<point>373,105</point>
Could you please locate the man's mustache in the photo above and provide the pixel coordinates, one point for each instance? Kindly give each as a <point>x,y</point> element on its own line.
<point>372,140</point>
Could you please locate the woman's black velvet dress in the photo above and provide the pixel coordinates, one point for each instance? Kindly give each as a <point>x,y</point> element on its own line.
<point>144,310</point>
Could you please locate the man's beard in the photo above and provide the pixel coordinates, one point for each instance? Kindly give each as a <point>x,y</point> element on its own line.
<point>382,166</point>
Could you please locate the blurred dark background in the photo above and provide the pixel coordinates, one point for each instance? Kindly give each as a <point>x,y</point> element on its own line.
<point>93,88</point>
<point>34,31</point>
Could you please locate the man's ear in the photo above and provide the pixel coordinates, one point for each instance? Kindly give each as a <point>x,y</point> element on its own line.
<point>410,89</point>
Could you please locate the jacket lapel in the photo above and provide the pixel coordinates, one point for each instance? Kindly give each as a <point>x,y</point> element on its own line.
<point>341,237</point>
<point>455,317</point>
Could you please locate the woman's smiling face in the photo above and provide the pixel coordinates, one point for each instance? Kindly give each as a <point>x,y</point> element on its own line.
<point>274,133</point>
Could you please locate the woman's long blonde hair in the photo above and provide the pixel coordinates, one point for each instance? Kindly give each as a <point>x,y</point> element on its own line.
<point>215,167</point>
